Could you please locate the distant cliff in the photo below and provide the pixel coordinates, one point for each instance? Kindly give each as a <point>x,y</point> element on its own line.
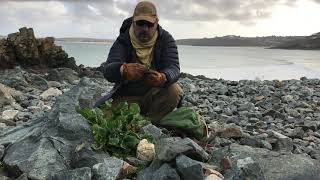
<point>268,41</point>
<point>308,42</point>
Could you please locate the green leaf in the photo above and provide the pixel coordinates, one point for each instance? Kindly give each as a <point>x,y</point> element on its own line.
<point>134,108</point>
<point>115,128</point>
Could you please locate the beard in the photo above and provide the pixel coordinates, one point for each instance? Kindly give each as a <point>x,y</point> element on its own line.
<point>144,36</point>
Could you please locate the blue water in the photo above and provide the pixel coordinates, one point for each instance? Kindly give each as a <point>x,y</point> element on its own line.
<point>233,63</point>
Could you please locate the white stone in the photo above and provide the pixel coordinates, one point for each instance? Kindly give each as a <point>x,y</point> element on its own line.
<point>6,94</point>
<point>50,92</point>
<point>9,114</point>
<point>145,150</point>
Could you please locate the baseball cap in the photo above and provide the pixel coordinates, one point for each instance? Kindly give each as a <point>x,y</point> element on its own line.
<point>145,10</point>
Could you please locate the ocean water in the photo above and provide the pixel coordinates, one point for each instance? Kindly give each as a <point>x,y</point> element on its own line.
<point>232,63</point>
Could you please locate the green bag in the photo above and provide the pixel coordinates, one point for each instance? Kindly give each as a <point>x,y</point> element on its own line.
<point>187,121</point>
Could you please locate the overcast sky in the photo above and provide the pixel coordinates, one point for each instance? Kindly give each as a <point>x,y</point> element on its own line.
<point>182,18</point>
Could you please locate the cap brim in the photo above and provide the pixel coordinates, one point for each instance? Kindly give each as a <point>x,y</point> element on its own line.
<point>146,18</point>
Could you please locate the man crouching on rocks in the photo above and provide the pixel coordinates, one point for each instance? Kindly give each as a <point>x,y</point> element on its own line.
<point>144,64</point>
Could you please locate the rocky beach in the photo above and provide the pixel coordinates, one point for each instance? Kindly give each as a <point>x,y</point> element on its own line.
<point>260,130</point>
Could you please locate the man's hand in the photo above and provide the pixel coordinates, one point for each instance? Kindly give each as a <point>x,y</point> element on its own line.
<point>132,71</point>
<point>155,78</point>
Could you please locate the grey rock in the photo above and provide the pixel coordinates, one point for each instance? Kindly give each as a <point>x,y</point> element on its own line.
<point>136,162</point>
<point>63,74</point>
<point>153,131</point>
<point>38,82</point>
<point>148,172</point>
<point>274,114</point>
<point>313,125</point>
<point>169,148</point>
<point>109,170</point>
<point>23,177</point>
<point>277,166</point>
<point>44,145</point>
<point>283,143</point>
<point>222,90</point>
<point>296,133</point>
<point>75,174</point>
<point>14,78</point>
<point>86,157</point>
<point>252,141</point>
<point>54,84</point>
<point>166,172</point>
<point>189,168</point>
<point>247,106</point>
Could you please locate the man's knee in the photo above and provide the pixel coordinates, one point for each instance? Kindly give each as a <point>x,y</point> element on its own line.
<point>173,94</point>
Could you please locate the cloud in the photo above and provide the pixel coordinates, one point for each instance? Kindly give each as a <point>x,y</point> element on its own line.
<point>83,17</point>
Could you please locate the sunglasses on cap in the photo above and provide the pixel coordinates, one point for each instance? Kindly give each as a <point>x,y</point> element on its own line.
<point>142,23</point>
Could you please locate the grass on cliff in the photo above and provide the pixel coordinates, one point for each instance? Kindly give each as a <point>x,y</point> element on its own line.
<point>115,129</point>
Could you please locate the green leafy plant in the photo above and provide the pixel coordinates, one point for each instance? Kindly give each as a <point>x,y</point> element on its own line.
<point>115,129</point>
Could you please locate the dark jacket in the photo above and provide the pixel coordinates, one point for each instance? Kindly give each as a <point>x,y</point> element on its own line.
<point>165,60</point>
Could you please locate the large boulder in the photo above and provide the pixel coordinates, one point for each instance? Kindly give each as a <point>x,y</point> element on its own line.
<point>54,56</point>
<point>22,48</point>
<point>45,146</point>
<point>25,46</point>
<point>258,163</point>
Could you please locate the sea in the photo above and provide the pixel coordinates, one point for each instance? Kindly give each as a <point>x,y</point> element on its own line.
<point>230,63</point>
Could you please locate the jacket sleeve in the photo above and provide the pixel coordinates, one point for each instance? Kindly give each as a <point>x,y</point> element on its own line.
<point>170,60</point>
<point>115,59</point>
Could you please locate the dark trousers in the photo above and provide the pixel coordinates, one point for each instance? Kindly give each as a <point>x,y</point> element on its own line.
<point>156,103</point>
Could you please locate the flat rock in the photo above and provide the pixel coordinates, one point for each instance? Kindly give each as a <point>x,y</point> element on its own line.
<point>153,131</point>
<point>165,172</point>
<point>169,148</point>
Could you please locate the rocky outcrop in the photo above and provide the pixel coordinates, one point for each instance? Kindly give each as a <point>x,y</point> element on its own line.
<point>7,56</point>
<point>46,145</point>
<point>22,48</point>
